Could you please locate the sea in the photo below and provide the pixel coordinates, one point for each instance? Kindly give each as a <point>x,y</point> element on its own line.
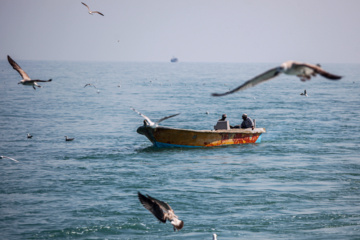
<point>301,182</point>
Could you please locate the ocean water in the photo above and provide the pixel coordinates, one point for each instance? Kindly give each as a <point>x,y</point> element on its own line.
<point>301,182</point>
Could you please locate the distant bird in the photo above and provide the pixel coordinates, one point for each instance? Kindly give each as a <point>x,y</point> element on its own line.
<point>68,139</point>
<point>214,236</point>
<point>1,157</point>
<point>90,84</point>
<point>150,123</point>
<point>91,12</point>
<point>304,93</point>
<point>161,210</point>
<point>26,79</point>
<point>29,135</point>
<point>302,70</point>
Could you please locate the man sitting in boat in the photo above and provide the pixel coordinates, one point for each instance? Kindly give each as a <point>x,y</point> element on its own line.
<point>223,118</point>
<point>247,123</point>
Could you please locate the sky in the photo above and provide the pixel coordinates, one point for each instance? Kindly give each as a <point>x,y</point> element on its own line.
<point>245,31</point>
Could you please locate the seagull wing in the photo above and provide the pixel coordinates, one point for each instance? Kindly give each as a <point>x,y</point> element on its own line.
<point>164,118</point>
<point>98,13</point>
<point>152,206</point>
<point>166,207</point>
<point>18,69</point>
<point>10,158</point>
<point>319,70</point>
<point>147,119</point>
<point>42,80</point>
<point>252,82</point>
<point>86,5</point>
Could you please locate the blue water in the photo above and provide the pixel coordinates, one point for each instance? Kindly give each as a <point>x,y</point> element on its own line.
<point>301,182</point>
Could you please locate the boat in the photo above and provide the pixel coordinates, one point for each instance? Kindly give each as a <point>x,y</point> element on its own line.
<point>176,137</point>
<point>174,60</point>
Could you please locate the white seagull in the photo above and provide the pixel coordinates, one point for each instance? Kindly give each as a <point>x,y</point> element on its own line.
<point>302,70</point>
<point>150,123</point>
<point>68,139</point>
<point>161,210</point>
<point>91,12</point>
<point>26,79</point>
<point>304,93</point>
<point>214,236</point>
<point>29,135</point>
<point>1,157</point>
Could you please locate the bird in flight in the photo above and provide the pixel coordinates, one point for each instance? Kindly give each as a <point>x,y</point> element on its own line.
<point>12,159</point>
<point>151,123</point>
<point>302,70</point>
<point>90,84</point>
<point>304,93</point>
<point>161,210</point>
<point>91,12</point>
<point>26,79</point>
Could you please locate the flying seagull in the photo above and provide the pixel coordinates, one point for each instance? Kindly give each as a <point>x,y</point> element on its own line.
<point>1,157</point>
<point>214,236</point>
<point>29,135</point>
<point>91,12</point>
<point>151,123</point>
<point>304,93</point>
<point>26,79</point>
<point>161,210</point>
<point>68,139</point>
<point>302,70</point>
<point>90,84</point>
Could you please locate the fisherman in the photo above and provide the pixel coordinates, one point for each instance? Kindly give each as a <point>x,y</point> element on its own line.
<point>246,123</point>
<point>223,118</point>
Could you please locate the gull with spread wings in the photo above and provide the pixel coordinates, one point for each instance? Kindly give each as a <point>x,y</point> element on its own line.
<point>91,12</point>
<point>26,79</point>
<point>161,210</point>
<point>302,70</point>
<point>150,123</point>
<point>12,159</point>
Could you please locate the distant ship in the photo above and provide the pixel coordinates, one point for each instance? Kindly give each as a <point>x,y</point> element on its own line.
<point>174,59</point>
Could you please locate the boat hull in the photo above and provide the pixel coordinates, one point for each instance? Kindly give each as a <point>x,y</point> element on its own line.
<point>174,137</point>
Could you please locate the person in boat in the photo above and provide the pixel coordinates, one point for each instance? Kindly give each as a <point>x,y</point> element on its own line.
<point>223,118</point>
<point>246,123</point>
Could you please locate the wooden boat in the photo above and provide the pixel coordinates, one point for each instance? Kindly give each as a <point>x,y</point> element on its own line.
<point>175,137</point>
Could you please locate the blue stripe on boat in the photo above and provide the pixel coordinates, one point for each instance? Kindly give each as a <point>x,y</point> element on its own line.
<point>259,139</point>
<point>168,145</point>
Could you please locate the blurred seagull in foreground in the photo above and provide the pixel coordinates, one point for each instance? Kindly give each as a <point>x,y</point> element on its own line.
<point>1,157</point>
<point>91,12</point>
<point>150,123</point>
<point>214,236</point>
<point>26,79</point>
<point>302,70</point>
<point>68,139</point>
<point>304,93</point>
<point>161,210</point>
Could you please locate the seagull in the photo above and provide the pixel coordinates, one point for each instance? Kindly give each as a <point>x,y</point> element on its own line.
<point>304,93</point>
<point>214,236</point>
<point>90,84</point>
<point>302,70</point>
<point>91,12</point>
<point>26,79</point>
<point>29,135</point>
<point>68,139</point>
<point>161,210</point>
<point>150,123</point>
<point>1,157</point>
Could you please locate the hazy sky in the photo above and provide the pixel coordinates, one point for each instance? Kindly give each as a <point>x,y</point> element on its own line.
<point>316,31</point>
